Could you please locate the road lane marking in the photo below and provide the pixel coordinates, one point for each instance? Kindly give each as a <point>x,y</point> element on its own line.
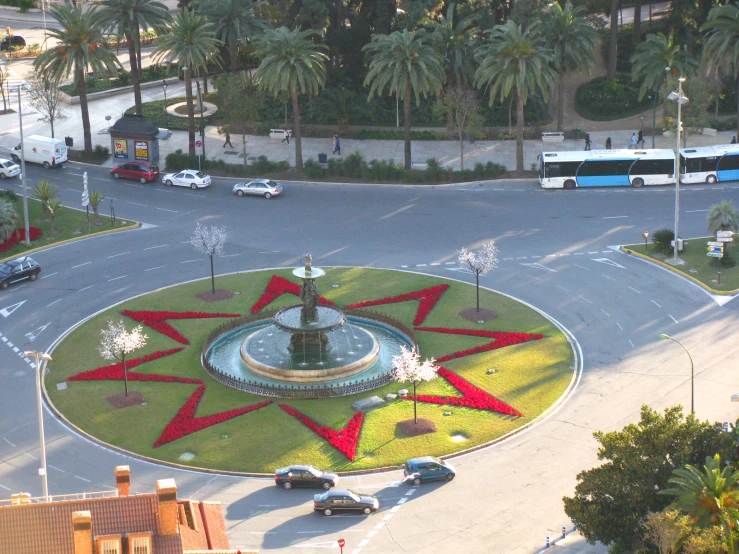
<point>190,261</point>
<point>153,247</point>
<point>82,479</point>
<point>581,267</point>
<point>56,468</point>
<point>54,302</point>
<point>673,319</point>
<point>10,443</point>
<point>605,312</point>
<point>636,291</point>
<point>76,266</point>
<point>116,255</point>
<point>693,211</point>
<point>166,210</point>
<point>632,344</point>
<point>615,217</point>
<point>153,268</point>
<point>101,179</point>
<point>653,302</point>
<point>608,277</point>
<point>49,275</point>
<point>86,288</point>
<point>135,203</point>
<point>32,457</point>
<point>4,487</point>
<point>561,287</point>
<point>619,326</point>
<point>116,278</point>
<point>586,300</point>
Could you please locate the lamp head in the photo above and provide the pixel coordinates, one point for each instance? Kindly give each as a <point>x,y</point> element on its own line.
<point>683,100</point>
<point>164,84</point>
<point>673,96</point>
<point>681,79</point>
<point>663,336</point>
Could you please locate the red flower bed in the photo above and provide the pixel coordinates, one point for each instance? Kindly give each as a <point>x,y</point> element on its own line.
<point>156,320</point>
<point>502,339</point>
<point>428,297</point>
<point>472,397</point>
<point>114,372</point>
<point>278,286</point>
<point>185,422</point>
<point>344,440</point>
<point>18,236</point>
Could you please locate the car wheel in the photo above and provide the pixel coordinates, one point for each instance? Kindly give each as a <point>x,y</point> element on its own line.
<point>4,285</point>
<point>2,175</point>
<point>327,512</point>
<point>637,183</point>
<point>168,183</point>
<point>16,159</point>
<point>47,165</point>
<point>327,485</point>
<point>417,481</point>
<point>711,179</point>
<point>287,485</point>
<point>569,184</point>
<point>267,195</point>
<point>367,511</point>
<point>239,193</point>
<point>142,180</point>
<point>34,276</point>
<point>449,477</point>
<point>194,186</point>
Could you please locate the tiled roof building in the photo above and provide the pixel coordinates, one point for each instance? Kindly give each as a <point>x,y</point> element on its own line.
<point>119,523</point>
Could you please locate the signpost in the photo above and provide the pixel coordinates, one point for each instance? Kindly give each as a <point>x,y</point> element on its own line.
<point>716,249</point>
<point>86,199</point>
<point>199,146</point>
<point>724,233</point>
<point>646,234</point>
<point>341,542</point>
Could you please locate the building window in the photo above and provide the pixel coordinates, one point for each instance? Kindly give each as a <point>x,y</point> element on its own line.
<point>110,547</point>
<point>140,545</point>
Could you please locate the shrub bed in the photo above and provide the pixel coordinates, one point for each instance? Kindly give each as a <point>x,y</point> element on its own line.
<point>123,79</point>
<point>604,100</point>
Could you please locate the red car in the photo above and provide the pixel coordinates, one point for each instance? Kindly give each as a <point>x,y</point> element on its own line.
<point>140,171</point>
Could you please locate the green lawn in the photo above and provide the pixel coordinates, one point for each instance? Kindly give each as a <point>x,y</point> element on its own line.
<point>69,224</point>
<point>530,377</point>
<point>700,266</point>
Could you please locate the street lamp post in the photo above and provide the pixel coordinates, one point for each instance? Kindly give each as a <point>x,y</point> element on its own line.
<point>641,120</point>
<point>681,99</point>
<point>39,357</point>
<point>166,115</point>
<point>23,169</point>
<point>202,125</point>
<point>654,116</point>
<point>692,371</point>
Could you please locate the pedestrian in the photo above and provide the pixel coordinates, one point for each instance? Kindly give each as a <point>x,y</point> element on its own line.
<point>286,136</point>
<point>632,145</point>
<point>608,143</point>
<point>337,145</point>
<point>640,138</point>
<point>733,140</point>
<point>587,141</point>
<point>228,140</point>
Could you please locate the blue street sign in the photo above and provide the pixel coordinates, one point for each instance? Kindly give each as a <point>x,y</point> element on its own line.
<point>717,249</point>
<point>715,254</point>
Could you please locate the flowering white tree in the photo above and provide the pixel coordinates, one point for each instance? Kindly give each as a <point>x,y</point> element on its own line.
<point>479,263</point>
<point>210,241</point>
<point>117,342</point>
<point>408,367</point>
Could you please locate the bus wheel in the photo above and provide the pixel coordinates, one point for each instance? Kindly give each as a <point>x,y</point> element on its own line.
<point>711,179</point>
<point>569,184</point>
<point>637,182</point>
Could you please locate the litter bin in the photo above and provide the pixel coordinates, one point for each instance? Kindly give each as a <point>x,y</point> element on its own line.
<point>576,133</point>
<point>69,141</point>
<point>322,158</point>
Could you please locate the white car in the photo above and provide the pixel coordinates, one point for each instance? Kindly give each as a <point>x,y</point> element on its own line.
<point>187,178</point>
<point>8,169</point>
<point>259,187</point>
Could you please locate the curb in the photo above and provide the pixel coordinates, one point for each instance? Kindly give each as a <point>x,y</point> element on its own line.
<point>577,372</point>
<point>682,274</point>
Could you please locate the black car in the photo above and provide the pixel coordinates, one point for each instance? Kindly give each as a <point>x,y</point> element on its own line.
<point>17,270</point>
<point>304,476</point>
<point>344,500</point>
<point>428,468</point>
<point>15,40</point>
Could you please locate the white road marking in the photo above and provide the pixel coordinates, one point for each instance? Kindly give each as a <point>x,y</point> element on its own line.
<point>561,287</point>
<point>605,312</point>
<point>4,487</point>
<point>615,217</point>
<point>154,247</point>
<point>586,300</point>
<point>116,278</point>
<point>56,468</point>
<point>593,252</point>
<point>387,517</point>
<point>157,267</point>
<point>76,266</point>
<point>134,203</point>
<point>5,312</point>
<point>403,266</point>
<point>166,210</point>
<point>539,266</point>
<point>522,258</point>
<point>402,500</point>
<point>49,275</point>
<point>579,253</point>
<point>636,291</point>
<point>82,479</point>
<point>653,302</point>
<point>619,326</point>
<point>673,319</point>
<point>86,288</point>
<point>608,277</point>
<point>116,255</point>
<point>76,174</point>
<point>434,263</point>
<point>54,302</point>
<point>190,261</point>
<point>101,179</point>
<point>362,543</point>
<point>167,191</point>
<point>232,255</point>
<point>693,211</point>
<point>505,259</point>
<point>371,534</point>
<point>534,257</point>
<point>394,509</point>
<point>449,263</point>
<point>607,262</point>
<point>562,254</point>
<point>581,267</point>
<point>10,443</point>
<point>632,344</point>
<point>32,457</point>
<point>132,185</point>
<point>420,265</point>
<point>380,525</point>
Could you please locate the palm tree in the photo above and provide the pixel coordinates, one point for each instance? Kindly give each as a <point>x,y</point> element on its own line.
<point>721,46</point>
<point>127,17</point>
<point>573,43</point>
<point>292,63</point>
<point>96,197</point>
<point>54,207</point>
<point>45,193</point>
<point>80,45</point>
<point>234,21</point>
<point>190,41</point>
<point>723,217</point>
<point>406,63</point>
<point>710,497</point>
<point>454,42</point>
<point>653,57</point>
<point>613,39</point>
<point>515,61</point>
<point>9,220</point>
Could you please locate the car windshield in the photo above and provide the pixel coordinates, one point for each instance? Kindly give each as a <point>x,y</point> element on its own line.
<point>153,168</point>
<point>354,496</point>
<point>272,183</point>
<point>8,164</point>
<point>7,267</point>
<point>315,472</point>
<point>201,174</point>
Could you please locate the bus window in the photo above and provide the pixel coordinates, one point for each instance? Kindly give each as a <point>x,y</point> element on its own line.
<point>708,164</point>
<point>600,168</point>
<point>551,170</point>
<point>653,167</point>
<point>728,163</point>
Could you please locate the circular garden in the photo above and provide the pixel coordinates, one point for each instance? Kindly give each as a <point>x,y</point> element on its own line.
<point>496,374</point>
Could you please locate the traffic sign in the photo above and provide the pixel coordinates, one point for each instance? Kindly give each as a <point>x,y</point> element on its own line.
<point>198,143</point>
<point>646,234</point>
<point>725,239</point>
<point>724,233</point>
<point>719,249</point>
<point>342,543</point>
<point>714,243</point>
<point>715,254</point>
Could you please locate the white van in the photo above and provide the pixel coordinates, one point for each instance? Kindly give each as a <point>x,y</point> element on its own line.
<point>47,151</point>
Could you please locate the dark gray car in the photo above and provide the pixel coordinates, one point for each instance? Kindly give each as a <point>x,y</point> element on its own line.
<point>344,500</point>
<point>304,476</point>
<point>18,270</point>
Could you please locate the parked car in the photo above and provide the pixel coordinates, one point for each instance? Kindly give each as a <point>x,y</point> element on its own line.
<point>304,476</point>
<point>259,187</point>
<point>8,169</point>
<point>428,468</point>
<point>19,269</point>
<point>47,151</point>
<point>187,178</point>
<point>344,500</point>
<point>15,40</point>
<point>144,172</point>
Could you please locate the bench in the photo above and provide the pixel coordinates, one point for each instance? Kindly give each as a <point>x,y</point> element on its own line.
<point>279,134</point>
<point>709,132</point>
<point>553,136</point>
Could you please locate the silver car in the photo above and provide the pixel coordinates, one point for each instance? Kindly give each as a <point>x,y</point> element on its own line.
<point>187,178</point>
<point>259,187</point>
<point>8,169</point>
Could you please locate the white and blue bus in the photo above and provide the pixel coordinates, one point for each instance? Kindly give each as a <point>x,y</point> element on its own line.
<point>606,168</point>
<point>709,164</point>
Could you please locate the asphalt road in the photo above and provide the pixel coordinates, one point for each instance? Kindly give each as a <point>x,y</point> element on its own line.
<point>555,249</point>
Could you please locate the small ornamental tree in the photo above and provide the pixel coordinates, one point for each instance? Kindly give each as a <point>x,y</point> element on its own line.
<point>45,100</point>
<point>408,367</point>
<point>117,343</point>
<point>479,263</point>
<point>209,241</point>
